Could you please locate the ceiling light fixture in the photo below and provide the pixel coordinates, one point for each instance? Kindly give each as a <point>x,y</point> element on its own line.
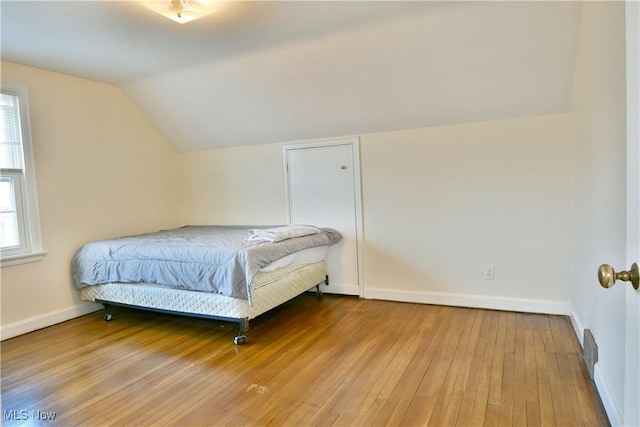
<point>181,11</point>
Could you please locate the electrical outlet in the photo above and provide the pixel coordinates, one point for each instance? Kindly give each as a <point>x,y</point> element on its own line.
<point>489,272</point>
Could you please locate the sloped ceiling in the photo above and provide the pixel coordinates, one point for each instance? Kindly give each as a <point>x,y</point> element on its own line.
<point>262,72</point>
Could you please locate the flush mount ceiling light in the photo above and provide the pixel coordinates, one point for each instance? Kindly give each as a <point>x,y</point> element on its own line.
<point>181,11</point>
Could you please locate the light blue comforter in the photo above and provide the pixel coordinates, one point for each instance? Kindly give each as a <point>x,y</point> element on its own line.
<point>199,258</point>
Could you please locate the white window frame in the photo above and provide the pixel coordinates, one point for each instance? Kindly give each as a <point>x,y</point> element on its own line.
<point>30,248</point>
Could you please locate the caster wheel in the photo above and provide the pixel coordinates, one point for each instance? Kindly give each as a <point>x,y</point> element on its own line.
<point>108,317</point>
<point>240,339</point>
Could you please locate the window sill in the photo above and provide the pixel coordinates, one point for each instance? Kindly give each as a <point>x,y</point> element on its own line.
<point>12,260</point>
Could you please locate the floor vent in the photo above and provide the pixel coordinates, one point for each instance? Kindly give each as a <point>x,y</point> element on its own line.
<point>590,351</point>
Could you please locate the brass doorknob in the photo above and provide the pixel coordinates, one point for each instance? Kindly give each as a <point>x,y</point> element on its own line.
<point>607,276</point>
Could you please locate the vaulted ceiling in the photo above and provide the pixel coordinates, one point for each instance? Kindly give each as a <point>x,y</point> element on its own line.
<point>270,71</point>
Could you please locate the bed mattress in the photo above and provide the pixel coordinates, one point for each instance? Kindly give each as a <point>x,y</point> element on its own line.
<point>270,289</point>
<point>215,259</point>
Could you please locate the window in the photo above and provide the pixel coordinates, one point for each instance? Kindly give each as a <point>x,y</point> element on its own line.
<point>20,240</point>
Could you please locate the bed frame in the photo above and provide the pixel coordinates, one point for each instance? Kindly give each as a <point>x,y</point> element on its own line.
<point>268,290</point>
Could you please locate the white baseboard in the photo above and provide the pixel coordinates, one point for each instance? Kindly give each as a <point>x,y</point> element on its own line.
<point>340,289</point>
<point>38,322</point>
<point>606,396</point>
<point>602,385</point>
<point>474,301</point>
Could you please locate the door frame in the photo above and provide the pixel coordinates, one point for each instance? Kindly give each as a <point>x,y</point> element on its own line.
<point>354,143</point>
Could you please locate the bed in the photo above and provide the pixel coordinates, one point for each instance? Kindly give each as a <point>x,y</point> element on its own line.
<point>218,272</point>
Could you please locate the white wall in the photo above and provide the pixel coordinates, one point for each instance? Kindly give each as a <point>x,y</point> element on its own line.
<point>233,186</point>
<point>439,203</point>
<point>599,191</point>
<point>102,171</point>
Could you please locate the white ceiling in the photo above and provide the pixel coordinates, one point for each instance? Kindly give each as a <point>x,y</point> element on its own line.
<point>268,71</point>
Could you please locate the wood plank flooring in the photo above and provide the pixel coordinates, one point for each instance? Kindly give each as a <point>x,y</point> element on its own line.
<point>337,361</point>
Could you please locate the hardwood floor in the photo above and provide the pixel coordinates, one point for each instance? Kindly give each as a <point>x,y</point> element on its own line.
<point>337,361</point>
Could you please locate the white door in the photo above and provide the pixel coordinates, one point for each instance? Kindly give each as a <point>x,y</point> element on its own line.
<point>632,296</point>
<point>630,407</point>
<point>323,189</point>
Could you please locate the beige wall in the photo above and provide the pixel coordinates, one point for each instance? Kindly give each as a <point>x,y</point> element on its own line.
<point>102,171</point>
<point>439,203</point>
<point>233,186</point>
<point>599,191</point>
